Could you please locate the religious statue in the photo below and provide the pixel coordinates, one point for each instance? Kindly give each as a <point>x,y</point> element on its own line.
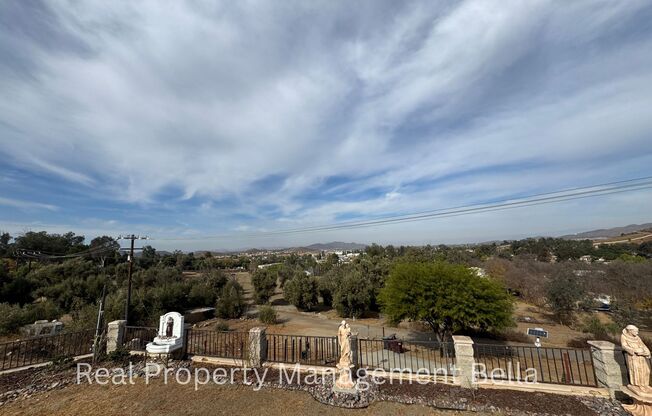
<point>344,380</point>
<point>169,326</point>
<point>638,365</point>
<point>344,338</point>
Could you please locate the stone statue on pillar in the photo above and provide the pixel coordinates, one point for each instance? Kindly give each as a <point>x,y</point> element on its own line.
<point>637,355</point>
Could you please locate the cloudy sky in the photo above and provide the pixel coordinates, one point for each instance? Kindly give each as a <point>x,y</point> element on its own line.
<point>182,119</point>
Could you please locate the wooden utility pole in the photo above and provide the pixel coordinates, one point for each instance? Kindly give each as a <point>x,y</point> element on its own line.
<point>131,237</point>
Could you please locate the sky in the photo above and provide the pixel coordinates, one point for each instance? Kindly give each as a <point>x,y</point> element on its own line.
<point>184,120</point>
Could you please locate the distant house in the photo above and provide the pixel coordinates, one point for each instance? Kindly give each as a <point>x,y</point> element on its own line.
<point>586,258</point>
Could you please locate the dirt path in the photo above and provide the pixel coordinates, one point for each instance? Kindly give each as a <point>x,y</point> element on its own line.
<point>175,399</point>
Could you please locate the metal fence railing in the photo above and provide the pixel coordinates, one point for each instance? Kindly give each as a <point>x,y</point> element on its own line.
<point>424,357</point>
<point>310,350</point>
<point>216,343</point>
<point>543,365</point>
<point>137,337</point>
<point>42,349</point>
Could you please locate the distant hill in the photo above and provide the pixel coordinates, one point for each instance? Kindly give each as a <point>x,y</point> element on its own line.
<point>608,232</point>
<point>336,245</point>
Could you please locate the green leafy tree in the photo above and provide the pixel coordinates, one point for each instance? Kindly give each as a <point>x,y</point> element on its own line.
<point>301,291</point>
<point>103,248</point>
<point>447,297</point>
<point>353,295</point>
<point>231,303</point>
<point>264,282</point>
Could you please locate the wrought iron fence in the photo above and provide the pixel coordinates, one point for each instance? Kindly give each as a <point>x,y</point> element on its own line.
<point>137,337</point>
<point>217,343</point>
<point>42,349</point>
<point>550,365</point>
<point>302,349</point>
<point>425,357</point>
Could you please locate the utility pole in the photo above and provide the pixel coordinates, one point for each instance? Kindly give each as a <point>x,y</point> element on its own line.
<point>131,237</point>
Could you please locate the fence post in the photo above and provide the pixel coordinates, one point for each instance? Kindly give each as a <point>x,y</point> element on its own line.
<point>256,347</point>
<point>115,335</point>
<point>464,361</point>
<point>609,365</point>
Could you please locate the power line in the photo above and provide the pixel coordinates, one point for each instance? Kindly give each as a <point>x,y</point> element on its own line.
<point>629,185</point>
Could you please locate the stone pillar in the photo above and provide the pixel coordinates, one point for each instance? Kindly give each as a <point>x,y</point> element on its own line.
<point>256,347</point>
<point>115,335</point>
<point>609,364</point>
<point>464,361</point>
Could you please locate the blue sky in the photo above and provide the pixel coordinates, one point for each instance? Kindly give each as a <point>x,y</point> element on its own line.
<point>184,119</point>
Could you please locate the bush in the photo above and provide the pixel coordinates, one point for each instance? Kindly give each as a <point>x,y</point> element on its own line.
<point>301,291</point>
<point>83,318</point>
<point>222,326</point>
<point>12,317</point>
<point>120,355</point>
<point>231,303</point>
<point>267,315</point>
<point>600,331</point>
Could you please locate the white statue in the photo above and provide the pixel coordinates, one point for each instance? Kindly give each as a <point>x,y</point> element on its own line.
<point>170,334</point>
<point>344,366</point>
<point>638,366</point>
<point>344,338</point>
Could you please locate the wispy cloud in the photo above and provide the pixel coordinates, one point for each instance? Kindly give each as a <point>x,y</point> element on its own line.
<point>234,115</point>
<point>16,203</point>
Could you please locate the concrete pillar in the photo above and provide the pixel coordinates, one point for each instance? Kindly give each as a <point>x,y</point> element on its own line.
<point>464,361</point>
<point>256,347</point>
<point>115,335</point>
<point>609,364</point>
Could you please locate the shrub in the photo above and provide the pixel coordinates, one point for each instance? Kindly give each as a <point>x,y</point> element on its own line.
<point>599,330</point>
<point>267,315</point>
<point>12,317</point>
<point>231,303</point>
<point>222,326</point>
<point>120,355</point>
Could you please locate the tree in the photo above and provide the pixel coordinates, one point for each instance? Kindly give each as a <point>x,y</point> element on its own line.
<point>447,297</point>
<point>67,243</point>
<point>353,295</point>
<point>231,303</point>
<point>564,293</point>
<point>301,291</point>
<point>103,247</point>
<point>264,282</point>
<point>148,257</point>
<point>5,238</point>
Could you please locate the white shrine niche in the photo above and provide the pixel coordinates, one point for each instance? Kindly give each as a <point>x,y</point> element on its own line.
<point>170,334</point>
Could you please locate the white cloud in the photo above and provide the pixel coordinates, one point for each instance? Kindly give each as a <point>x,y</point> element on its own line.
<point>137,102</point>
<point>17,203</point>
